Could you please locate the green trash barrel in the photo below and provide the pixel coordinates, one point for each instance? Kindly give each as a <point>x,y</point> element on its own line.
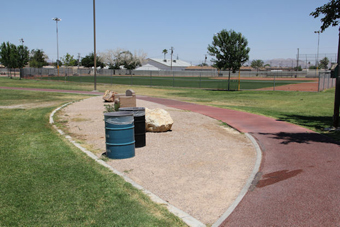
<point>139,121</point>
<point>119,133</point>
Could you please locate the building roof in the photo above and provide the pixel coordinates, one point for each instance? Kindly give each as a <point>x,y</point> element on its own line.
<point>167,62</point>
<point>147,67</point>
<point>200,68</point>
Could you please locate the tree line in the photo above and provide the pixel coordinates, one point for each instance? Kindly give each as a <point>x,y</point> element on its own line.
<point>12,57</point>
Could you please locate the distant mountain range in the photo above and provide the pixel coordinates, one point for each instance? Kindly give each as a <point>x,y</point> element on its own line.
<point>290,62</point>
<point>287,62</point>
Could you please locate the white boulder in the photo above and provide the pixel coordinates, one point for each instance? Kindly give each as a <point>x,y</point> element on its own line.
<point>157,120</point>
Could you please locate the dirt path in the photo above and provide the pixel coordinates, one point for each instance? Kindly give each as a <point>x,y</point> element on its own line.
<point>199,167</point>
<point>308,86</point>
<point>311,86</point>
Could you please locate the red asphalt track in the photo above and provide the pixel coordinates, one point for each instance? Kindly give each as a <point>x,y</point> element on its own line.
<point>299,179</point>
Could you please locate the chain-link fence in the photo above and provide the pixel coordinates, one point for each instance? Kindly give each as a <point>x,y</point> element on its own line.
<point>9,72</point>
<point>213,79</point>
<point>325,81</point>
<point>43,72</point>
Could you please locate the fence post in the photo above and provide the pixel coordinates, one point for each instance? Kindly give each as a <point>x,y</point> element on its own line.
<point>274,81</point>
<point>200,78</point>
<point>173,79</point>
<point>328,80</point>
<point>150,78</point>
<point>319,83</point>
<point>111,77</point>
<point>131,78</point>
<point>79,72</point>
<point>324,78</point>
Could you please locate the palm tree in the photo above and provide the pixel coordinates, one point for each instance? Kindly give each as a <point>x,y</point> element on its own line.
<point>165,51</point>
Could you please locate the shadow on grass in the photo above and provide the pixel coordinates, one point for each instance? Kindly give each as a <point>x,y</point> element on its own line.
<point>319,123</point>
<point>302,138</point>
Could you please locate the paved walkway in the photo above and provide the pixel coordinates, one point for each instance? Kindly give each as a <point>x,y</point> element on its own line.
<point>299,179</point>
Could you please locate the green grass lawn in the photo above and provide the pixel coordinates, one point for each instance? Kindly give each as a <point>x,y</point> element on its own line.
<point>313,110</point>
<point>185,82</point>
<point>46,181</point>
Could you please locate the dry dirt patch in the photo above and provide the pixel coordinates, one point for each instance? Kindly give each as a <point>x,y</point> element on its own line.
<point>30,105</point>
<point>199,167</point>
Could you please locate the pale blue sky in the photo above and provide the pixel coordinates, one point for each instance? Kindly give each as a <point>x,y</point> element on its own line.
<point>274,28</point>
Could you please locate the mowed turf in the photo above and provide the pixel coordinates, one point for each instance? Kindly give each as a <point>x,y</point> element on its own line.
<point>185,82</point>
<point>45,181</point>
<point>313,110</point>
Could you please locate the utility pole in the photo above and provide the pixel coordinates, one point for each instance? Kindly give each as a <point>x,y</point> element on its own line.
<point>172,51</point>
<point>78,60</point>
<point>94,39</point>
<point>297,60</point>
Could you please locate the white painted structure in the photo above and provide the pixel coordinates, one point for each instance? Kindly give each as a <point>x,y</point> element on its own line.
<point>164,64</point>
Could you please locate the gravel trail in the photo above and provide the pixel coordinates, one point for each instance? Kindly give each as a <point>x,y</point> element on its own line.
<point>199,166</point>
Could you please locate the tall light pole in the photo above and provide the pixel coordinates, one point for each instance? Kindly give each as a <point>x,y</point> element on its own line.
<point>56,19</point>
<point>94,38</point>
<point>317,55</point>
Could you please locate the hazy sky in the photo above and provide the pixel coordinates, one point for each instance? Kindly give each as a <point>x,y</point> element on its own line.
<point>274,28</point>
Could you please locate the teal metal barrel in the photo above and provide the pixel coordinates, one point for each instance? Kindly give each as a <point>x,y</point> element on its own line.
<point>139,121</point>
<point>119,133</point>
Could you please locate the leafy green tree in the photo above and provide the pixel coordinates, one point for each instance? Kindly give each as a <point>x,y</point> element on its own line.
<point>256,64</point>
<point>38,58</point>
<point>230,51</point>
<point>9,55</point>
<point>165,51</point>
<point>324,63</point>
<point>12,56</point>
<point>331,10</point>
<point>203,64</point>
<point>69,60</point>
<point>57,62</point>
<point>23,56</point>
<point>298,68</point>
<point>88,61</point>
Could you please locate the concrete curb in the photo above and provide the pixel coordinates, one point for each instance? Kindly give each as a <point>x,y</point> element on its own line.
<point>247,184</point>
<point>189,220</point>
